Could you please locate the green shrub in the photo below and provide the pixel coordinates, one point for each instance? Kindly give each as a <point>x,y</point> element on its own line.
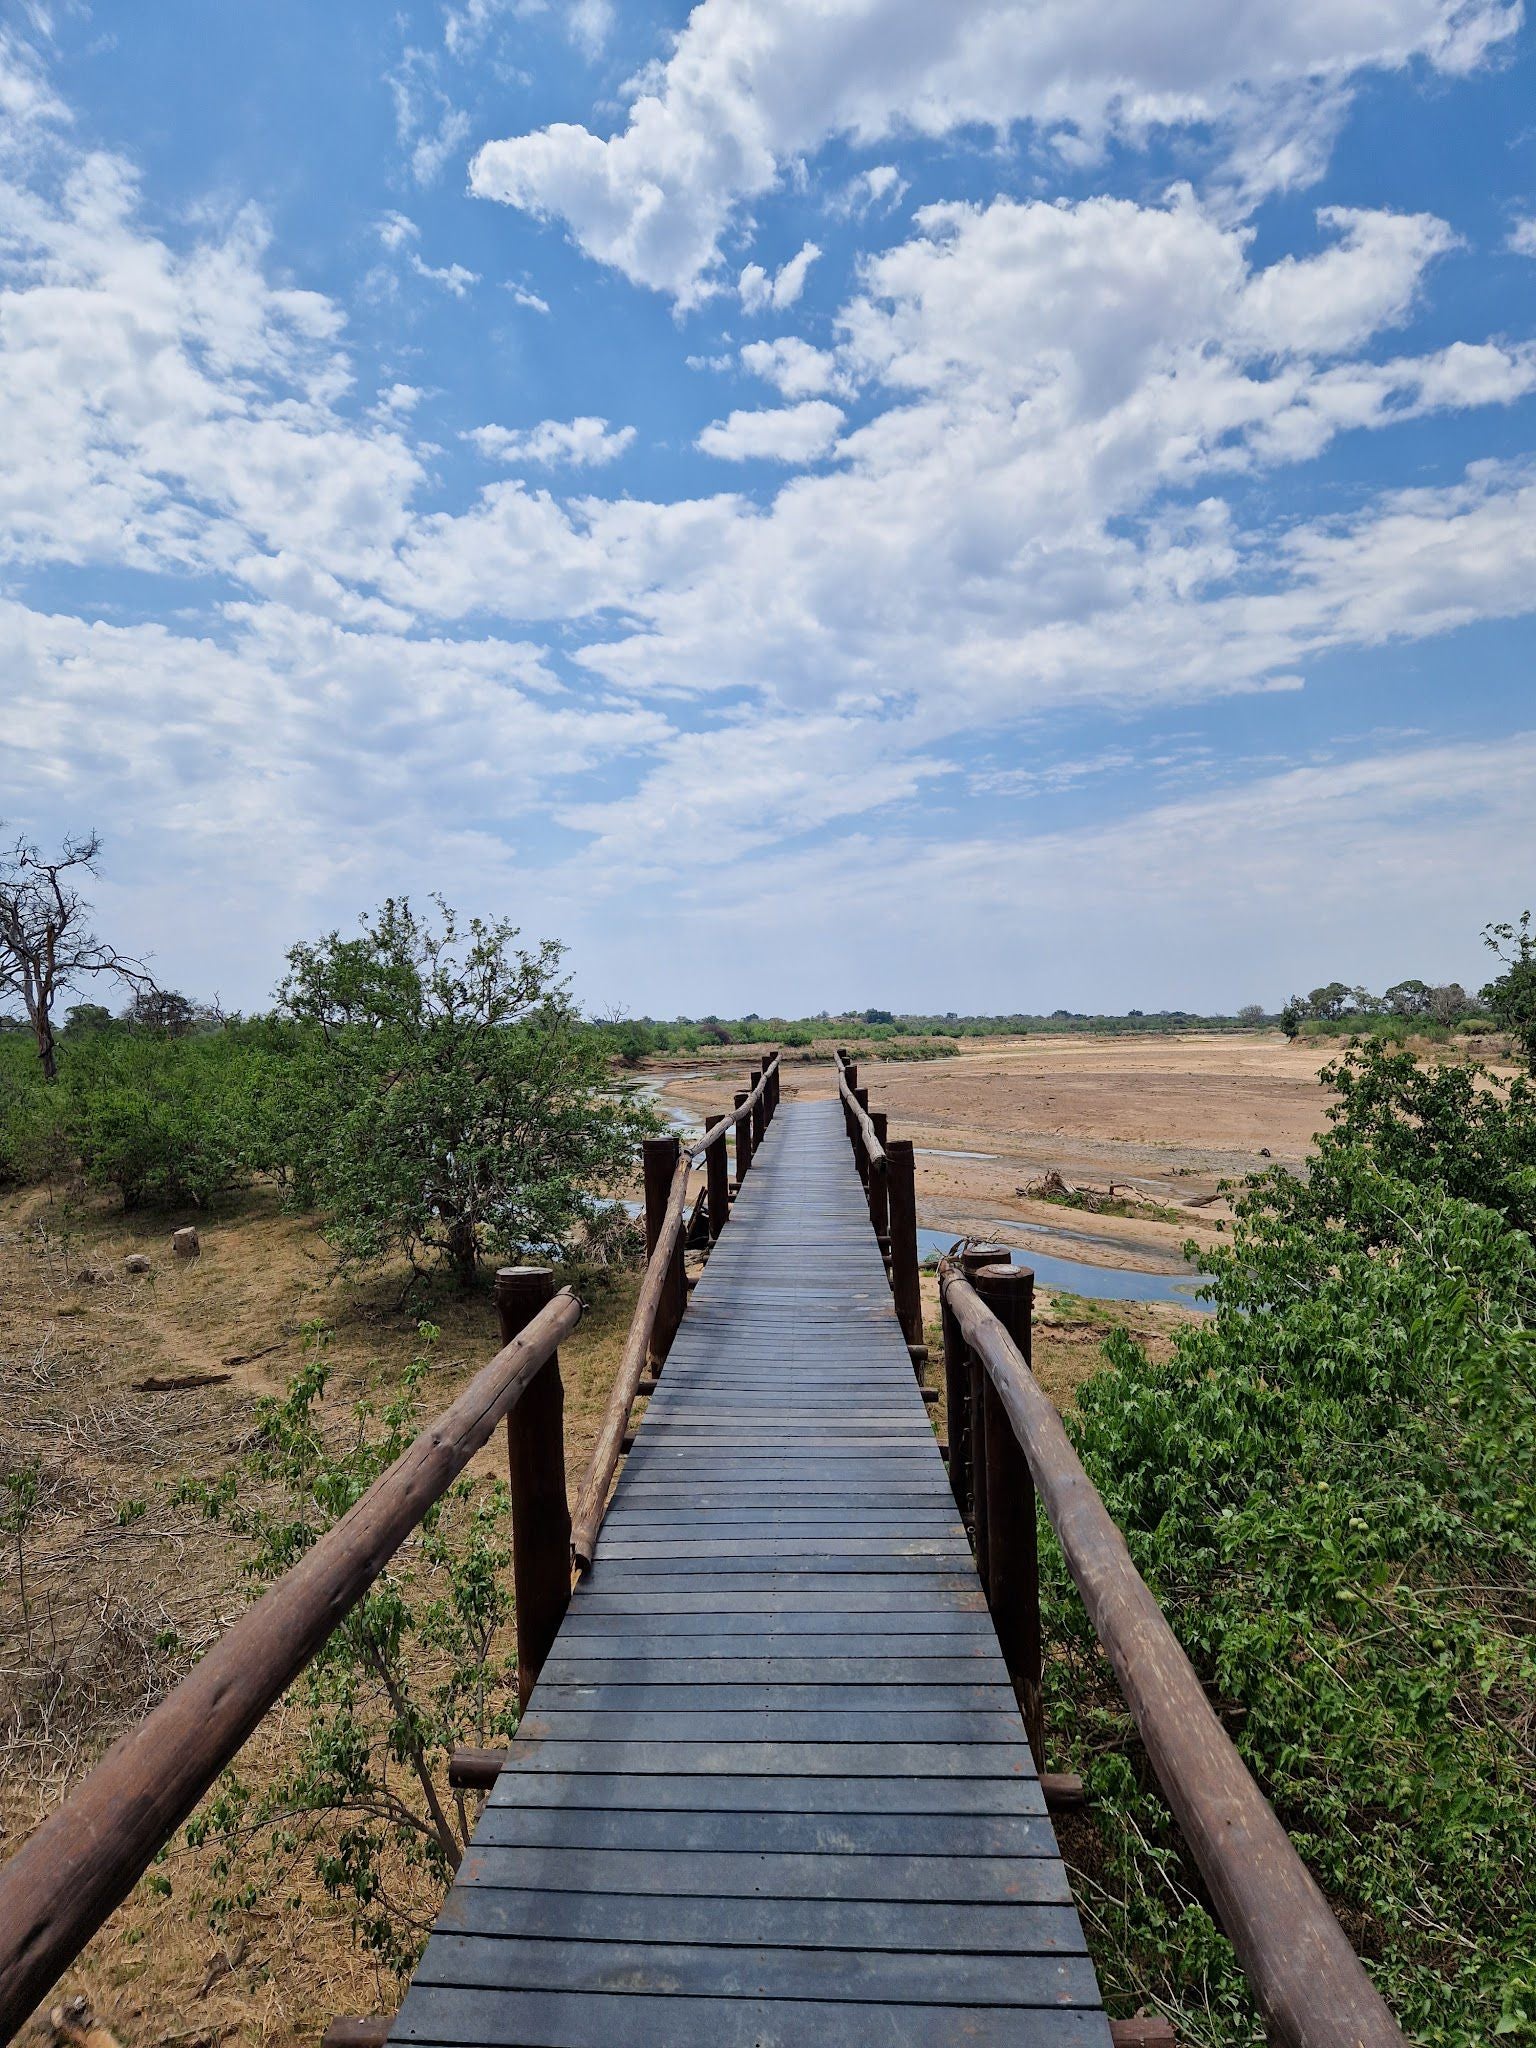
<point>168,1122</point>
<point>1331,1486</point>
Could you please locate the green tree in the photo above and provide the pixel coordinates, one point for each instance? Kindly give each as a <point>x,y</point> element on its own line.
<point>450,1102</point>
<point>1511,996</point>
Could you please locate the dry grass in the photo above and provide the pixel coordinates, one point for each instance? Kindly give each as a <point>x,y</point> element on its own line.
<point>124,1589</point>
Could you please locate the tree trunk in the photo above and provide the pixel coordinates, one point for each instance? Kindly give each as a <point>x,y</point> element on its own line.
<point>42,1025</point>
<point>463,1253</point>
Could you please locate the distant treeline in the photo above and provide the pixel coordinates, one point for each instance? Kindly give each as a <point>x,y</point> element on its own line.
<point>635,1037</point>
<point>1408,1009</point>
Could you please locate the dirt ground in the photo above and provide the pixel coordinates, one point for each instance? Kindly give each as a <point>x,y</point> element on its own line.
<point>125,1587</point>
<point>1168,1118</point>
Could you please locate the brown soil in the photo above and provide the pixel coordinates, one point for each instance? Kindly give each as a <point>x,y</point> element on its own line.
<point>125,1588</point>
<point>1169,1118</point>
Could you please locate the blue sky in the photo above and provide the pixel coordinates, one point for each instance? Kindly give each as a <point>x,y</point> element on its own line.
<point>846,501</point>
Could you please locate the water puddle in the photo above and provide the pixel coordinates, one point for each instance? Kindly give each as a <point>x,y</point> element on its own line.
<point>1078,1276</point>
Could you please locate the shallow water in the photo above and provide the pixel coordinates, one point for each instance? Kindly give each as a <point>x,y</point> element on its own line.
<point>1077,1276</point>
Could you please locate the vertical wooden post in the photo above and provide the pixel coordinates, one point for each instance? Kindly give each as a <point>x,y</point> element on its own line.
<point>976,1415</point>
<point>743,1135</point>
<point>957,1407</point>
<point>773,1085</point>
<point>860,1156</point>
<point>906,1282</point>
<point>964,1395</point>
<point>759,1122</point>
<point>659,1158</point>
<point>541,1515</point>
<point>879,1190</point>
<point>717,1171</point>
<point>1013,1561</point>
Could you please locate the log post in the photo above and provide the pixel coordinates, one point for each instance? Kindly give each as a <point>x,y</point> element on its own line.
<point>969,1408</point>
<point>743,1135</point>
<point>717,1169</point>
<point>541,1516</point>
<point>759,1123</point>
<point>860,1155</point>
<point>1013,1560</point>
<point>906,1282</point>
<point>659,1157</point>
<point>879,1191</point>
<point>957,1405</point>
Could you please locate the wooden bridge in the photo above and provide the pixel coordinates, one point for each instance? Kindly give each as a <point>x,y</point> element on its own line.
<point>772,1783</point>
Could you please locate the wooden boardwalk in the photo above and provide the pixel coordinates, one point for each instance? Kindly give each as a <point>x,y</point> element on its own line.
<point>772,1786</point>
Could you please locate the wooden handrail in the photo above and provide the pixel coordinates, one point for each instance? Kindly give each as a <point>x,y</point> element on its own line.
<point>874,1151</point>
<point>592,1499</point>
<point>766,1089</point>
<point>1311,1985</point>
<point>64,1881</point>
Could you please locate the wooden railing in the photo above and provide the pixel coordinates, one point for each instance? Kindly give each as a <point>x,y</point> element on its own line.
<point>1007,1442</point>
<point>664,1290</point>
<point>83,1862</point>
<point>888,1170</point>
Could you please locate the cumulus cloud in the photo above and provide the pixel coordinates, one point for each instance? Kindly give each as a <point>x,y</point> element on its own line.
<point>1522,237</point>
<point>744,93</point>
<point>758,291</point>
<point>1368,280</point>
<point>583,443</point>
<point>1026,518</point>
<point>793,366</point>
<point>784,433</point>
<point>878,189</point>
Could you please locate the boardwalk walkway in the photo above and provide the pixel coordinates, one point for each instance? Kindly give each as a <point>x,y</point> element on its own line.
<point>772,1786</point>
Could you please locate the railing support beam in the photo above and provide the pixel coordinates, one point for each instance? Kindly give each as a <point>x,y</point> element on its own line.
<point>906,1278</point>
<point>541,1515</point>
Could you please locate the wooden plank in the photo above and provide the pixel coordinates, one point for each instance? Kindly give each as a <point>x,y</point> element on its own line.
<point>731,1971</point>
<point>772,1785</point>
<point>434,2016</point>
<point>623,1825</point>
<point>584,1780</point>
<point>937,1928</point>
<point>727,1874</point>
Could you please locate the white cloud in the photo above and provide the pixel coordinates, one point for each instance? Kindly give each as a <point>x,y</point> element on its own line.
<point>881,188</point>
<point>400,399</point>
<point>524,297</point>
<point>793,366</point>
<point>396,232</point>
<point>758,291</point>
<point>588,23</point>
<point>453,277</point>
<point>1334,301</point>
<point>1522,237</point>
<point>427,123</point>
<point>744,93</point>
<point>785,433</point>
<point>1026,520</point>
<point>583,443</point>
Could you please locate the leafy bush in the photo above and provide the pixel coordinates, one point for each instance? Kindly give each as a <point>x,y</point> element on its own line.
<point>419,1666</point>
<point>1331,1486</point>
<point>168,1121</point>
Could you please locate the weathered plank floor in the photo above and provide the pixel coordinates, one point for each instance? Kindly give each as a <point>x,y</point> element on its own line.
<point>772,1786</point>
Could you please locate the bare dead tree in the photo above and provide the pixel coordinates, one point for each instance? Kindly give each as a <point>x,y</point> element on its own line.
<point>46,943</point>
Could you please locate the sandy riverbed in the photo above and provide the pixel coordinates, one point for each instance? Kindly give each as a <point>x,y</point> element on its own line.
<point>1172,1115</point>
